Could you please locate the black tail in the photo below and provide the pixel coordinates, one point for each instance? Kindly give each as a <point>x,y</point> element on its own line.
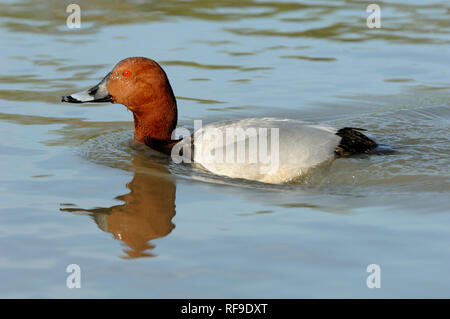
<point>354,142</point>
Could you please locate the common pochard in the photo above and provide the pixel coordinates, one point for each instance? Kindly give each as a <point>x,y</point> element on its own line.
<point>291,147</point>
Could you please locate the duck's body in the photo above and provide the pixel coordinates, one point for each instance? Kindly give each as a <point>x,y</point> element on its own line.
<point>282,149</point>
<point>264,149</point>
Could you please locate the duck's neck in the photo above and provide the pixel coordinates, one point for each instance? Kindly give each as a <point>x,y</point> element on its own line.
<point>153,125</point>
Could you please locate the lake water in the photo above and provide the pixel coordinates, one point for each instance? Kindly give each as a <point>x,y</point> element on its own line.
<point>74,188</point>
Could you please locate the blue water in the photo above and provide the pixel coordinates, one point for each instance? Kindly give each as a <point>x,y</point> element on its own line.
<point>74,188</point>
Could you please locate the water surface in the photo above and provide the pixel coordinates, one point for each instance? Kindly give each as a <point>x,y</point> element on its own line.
<point>75,189</point>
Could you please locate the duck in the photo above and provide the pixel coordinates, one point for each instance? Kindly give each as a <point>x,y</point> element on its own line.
<point>269,150</point>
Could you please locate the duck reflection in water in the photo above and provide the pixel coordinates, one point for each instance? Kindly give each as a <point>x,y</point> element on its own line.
<point>146,213</point>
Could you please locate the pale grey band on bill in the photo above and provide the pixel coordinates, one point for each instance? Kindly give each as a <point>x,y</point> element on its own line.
<point>98,93</point>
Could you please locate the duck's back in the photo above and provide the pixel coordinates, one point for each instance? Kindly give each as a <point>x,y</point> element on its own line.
<point>264,149</point>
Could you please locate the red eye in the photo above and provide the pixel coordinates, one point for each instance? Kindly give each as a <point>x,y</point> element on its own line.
<point>126,73</point>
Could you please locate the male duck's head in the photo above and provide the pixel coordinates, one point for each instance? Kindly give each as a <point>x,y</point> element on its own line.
<point>142,86</point>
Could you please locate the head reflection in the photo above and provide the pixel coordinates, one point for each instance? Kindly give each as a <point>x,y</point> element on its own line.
<point>146,213</point>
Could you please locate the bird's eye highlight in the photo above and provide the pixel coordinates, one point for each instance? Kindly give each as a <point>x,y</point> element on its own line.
<point>126,73</point>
